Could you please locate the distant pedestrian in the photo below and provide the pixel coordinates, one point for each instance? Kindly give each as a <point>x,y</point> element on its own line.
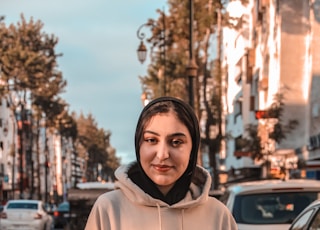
<point>164,189</point>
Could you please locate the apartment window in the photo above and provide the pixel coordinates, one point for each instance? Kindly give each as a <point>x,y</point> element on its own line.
<point>255,84</point>
<point>315,110</point>
<point>254,98</point>
<point>237,109</point>
<point>238,78</point>
<point>314,142</point>
<point>252,103</point>
<point>238,143</point>
<point>239,72</point>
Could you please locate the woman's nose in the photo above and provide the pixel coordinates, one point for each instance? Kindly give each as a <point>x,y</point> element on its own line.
<point>162,151</point>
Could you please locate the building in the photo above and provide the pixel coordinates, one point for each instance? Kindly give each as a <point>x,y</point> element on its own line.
<point>275,51</point>
<point>35,162</point>
<point>8,149</point>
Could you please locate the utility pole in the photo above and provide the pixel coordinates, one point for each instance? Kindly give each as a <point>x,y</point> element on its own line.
<point>20,149</point>
<point>192,66</point>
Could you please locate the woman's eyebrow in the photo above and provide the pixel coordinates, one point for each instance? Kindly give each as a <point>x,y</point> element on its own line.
<point>177,134</point>
<point>170,135</point>
<point>151,132</point>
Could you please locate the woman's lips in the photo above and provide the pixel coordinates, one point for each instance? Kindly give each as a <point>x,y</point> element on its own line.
<point>162,168</point>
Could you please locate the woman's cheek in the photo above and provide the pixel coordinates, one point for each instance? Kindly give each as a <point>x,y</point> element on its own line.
<point>146,150</point>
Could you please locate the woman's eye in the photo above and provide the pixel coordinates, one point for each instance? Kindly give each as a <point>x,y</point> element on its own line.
<point>176,143</point>
<point>150,140</point>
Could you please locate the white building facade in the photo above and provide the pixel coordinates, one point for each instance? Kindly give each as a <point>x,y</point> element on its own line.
<point>276,51</point>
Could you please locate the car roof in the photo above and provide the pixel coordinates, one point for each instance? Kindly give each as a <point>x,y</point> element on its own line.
<point>65,203</point>
<point>275,186</point>
<point>24,201</point>
<point>314,203</point>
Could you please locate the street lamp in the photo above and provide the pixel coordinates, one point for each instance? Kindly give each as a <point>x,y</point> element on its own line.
<point>142,49</point>
<point>192,66</point>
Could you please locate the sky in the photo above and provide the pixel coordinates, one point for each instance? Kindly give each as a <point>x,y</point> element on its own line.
<point>98,41</point>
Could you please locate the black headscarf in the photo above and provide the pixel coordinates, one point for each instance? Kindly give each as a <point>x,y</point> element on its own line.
<point>186,114</point>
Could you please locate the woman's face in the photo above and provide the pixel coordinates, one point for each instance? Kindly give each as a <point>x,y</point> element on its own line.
<point>165,150</point>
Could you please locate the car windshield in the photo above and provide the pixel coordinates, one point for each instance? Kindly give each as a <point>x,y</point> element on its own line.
<point>22,206</point>
<point>63,207</point>
<point>271,208</point>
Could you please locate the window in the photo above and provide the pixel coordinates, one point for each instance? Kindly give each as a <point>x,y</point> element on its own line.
<point>315,110</point>
<point>274,208</point>
<point>315,223</point>
<point>238,143</point>
<point>22,206</point>
<point>303,220</point>
<point>237,109</point>
<point>238,78</point>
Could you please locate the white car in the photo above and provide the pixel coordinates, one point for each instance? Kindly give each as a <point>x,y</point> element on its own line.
<point>269,204</point>
<point>25,214</point>
<point>309,218</point>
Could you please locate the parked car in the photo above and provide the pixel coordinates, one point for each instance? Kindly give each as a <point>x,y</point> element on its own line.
<point>50,208</point>
<point>25,214</point>
<point>269,204</point>
<point>81,200</point>
<point>309,218</point>
<point>61,215</point>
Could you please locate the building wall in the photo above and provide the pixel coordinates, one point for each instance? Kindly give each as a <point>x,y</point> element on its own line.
<point>294,68</point>
<point>314,138</point>
<point>8,136</point>
<point>286,42</point>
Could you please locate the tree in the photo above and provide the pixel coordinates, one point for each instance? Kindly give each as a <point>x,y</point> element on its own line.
<point>209,18</point>
<point>29,66</point>
<point>28,59</point>
<point>29,73</point>
<point>257,139</point>
<point>95,142</point>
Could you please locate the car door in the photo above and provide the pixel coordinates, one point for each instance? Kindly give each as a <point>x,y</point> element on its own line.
<point>308,220</point>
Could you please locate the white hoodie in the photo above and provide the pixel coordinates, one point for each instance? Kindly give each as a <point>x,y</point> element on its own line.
<point>128,207</point>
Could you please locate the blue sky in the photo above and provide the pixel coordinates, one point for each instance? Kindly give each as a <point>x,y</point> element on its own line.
<point>98,41</point>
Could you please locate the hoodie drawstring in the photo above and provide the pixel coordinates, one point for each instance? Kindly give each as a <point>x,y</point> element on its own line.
<point>182,219</point>
<point>159,216</point>
<point>160,219</point>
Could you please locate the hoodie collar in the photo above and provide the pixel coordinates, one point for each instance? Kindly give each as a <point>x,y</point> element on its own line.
<point>198,191</point>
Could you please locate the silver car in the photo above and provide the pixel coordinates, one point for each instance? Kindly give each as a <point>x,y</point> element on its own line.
<point>269,204</point>
<point>308,219</point>
<point>25,214</point>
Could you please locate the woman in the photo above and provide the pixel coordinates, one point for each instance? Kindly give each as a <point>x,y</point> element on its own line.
<point>163,189</point>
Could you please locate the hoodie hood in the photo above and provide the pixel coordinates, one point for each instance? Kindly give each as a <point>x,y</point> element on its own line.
<point>186,114</point>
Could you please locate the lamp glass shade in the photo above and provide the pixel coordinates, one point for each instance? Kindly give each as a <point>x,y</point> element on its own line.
<point>142,52</point>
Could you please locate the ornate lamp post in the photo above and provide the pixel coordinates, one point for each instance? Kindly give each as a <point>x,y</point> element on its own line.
<point>142,49</point>
<point>192,66</point>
